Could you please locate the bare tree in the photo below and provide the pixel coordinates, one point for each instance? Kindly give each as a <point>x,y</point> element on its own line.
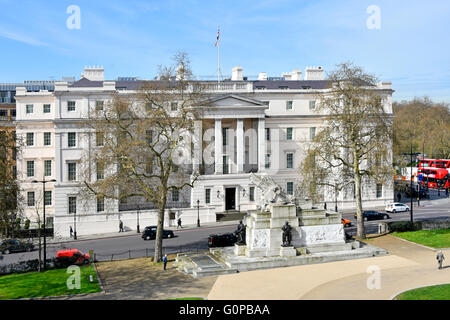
<point>145,141</point>
<point>356,139</point>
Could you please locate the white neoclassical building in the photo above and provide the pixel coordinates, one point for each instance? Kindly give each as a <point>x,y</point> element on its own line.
<point>260,126</point>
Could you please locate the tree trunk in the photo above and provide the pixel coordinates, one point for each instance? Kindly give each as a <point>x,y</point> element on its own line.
<point>159,234</point>
<point>361,233</point>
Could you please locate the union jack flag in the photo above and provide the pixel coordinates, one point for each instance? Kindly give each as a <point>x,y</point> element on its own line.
<point>218,32</point>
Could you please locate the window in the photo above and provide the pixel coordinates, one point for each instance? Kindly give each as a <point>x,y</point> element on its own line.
<point>47,168</point>
<point>72,204</point>
<point>48,198</point>
<point>3,113</point>
<point>267,134</point>
<point>99,139</point>
<point>148,106</point>
<point>100,171</point>
<point>30,138</point>
<point>290,188</point>
<point>288,105</point>
<point>72,171</point>
<point>175,195</point>
<point>289,160</point>
<point>225,165</point>
<point>70,105</point>
<point>267,165</point>
<point>252,194</point>
<point>47,138</point>
<point>312,133</point>
<point>149,165</point>
<point>100,204</point>
<point>289,133</point>
<point>30,168</point>
<point>99,105</point>
<point>30,199</point>
<point>29,108</point>
<point>173,106</point>
<point>312,105</point>
<point>224,136</point>
<point>71,139</point>
<point>46,108</point>
<point>379,190</point>
<point>208,196</point>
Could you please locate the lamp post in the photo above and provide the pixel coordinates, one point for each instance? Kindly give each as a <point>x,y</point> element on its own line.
<point>137,216</point>
<point>198,213</point>
<point>43,205</point>
<point>411,182</point>
<point>75,225</point>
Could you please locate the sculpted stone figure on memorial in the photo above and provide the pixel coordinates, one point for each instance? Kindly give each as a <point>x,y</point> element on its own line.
<point>287,234</point>
<point>271,192</point>
<point>240,233</point>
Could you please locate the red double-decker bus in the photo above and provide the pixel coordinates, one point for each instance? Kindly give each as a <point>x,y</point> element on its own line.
<point>435,177</point>
<point>434,163</point>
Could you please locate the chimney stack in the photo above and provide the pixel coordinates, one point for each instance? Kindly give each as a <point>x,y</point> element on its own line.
<point>314,73</point>
<point>237,74</point>
<point>93,73</point>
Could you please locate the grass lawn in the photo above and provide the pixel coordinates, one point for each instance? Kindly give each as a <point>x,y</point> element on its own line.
<point>441,292</point>
<point>430,238</point>
<point>44,284</point>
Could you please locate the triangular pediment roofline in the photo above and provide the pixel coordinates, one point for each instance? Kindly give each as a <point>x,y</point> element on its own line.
<point>243,100</point>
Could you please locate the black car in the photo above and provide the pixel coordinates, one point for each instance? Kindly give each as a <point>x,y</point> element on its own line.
<point>13,245</point>
<point>374,215</point>
<point>221,240</point>
<point>150,233</point>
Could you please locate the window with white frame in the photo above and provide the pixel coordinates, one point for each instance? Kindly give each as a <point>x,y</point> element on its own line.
<point>99,139</point>
<point>312,133</point>
<point>290,188</point>
<point>289,160</point>
<point>312,105</point>
<point>207,195</point>
<point>173,106</point>
<point>267,164</point>
<point>252,194</point>
<point>29,108</point>
<point>99,105</point>
<point>289,133</point>
<point>379,190</point>
<point>175,195</point>
<point>30,168</point>
<point>47,168</point>
<point>267,134</point>
<point>48,198</point>
<point>72,204</point>
<point>46,108</point>
<point>71,139</point>
<point>289,105</point>
<point>30,199</point>
<point>100,204</point>
<point>100,171</point>
<point>70,105</point>
<point>72,171</point>
<point>30,139</point>
<point>47,138</point>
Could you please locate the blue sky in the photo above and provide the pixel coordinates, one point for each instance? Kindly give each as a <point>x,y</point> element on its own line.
<point>131,38</point>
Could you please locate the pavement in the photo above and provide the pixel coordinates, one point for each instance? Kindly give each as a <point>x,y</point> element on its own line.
<point>407,266</point>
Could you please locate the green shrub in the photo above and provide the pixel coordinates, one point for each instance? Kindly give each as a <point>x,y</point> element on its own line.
<point>404,226</point>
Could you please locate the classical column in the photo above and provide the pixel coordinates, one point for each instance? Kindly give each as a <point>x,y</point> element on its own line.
<point>240,145</point>
<point>261,144</point>
<point>198,145</point>
<point>218,147</point>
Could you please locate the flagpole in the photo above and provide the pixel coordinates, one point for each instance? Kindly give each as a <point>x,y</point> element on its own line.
<point>218,56</point>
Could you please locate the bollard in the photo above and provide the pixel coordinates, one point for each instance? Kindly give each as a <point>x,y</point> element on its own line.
<point>129,254</point>
<point>112,257</point>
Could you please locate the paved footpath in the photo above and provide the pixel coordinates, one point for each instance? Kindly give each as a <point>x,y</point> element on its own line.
<point>406,267</point>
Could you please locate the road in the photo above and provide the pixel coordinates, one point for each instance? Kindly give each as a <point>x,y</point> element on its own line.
<point>133,246</point>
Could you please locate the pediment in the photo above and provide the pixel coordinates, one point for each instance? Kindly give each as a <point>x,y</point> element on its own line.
<point>235,101</point>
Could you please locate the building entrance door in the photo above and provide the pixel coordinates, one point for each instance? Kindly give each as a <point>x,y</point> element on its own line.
<point>230,198</point>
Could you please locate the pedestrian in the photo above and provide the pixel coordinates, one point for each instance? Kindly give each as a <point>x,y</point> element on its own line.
<point>120,226</point>
<point>71,232</point>
<point>440,258</point>
<point>165,261</point>
<point>179,223</point>
<point>399,197</point>
<point>325,206</point>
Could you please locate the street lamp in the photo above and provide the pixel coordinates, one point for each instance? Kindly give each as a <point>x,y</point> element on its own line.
<point>198,213</point>
<point>411,154</point>
<point>137,216</point>
<point>43,205</point>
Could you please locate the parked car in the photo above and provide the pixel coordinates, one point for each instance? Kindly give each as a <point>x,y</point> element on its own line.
<point>13,245</point>
<point>346,223</point>
<point>68,257</point>
<point>396,207</point>
<point>221,240</point>
<point>150,233</point>
<point>374,215</point>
